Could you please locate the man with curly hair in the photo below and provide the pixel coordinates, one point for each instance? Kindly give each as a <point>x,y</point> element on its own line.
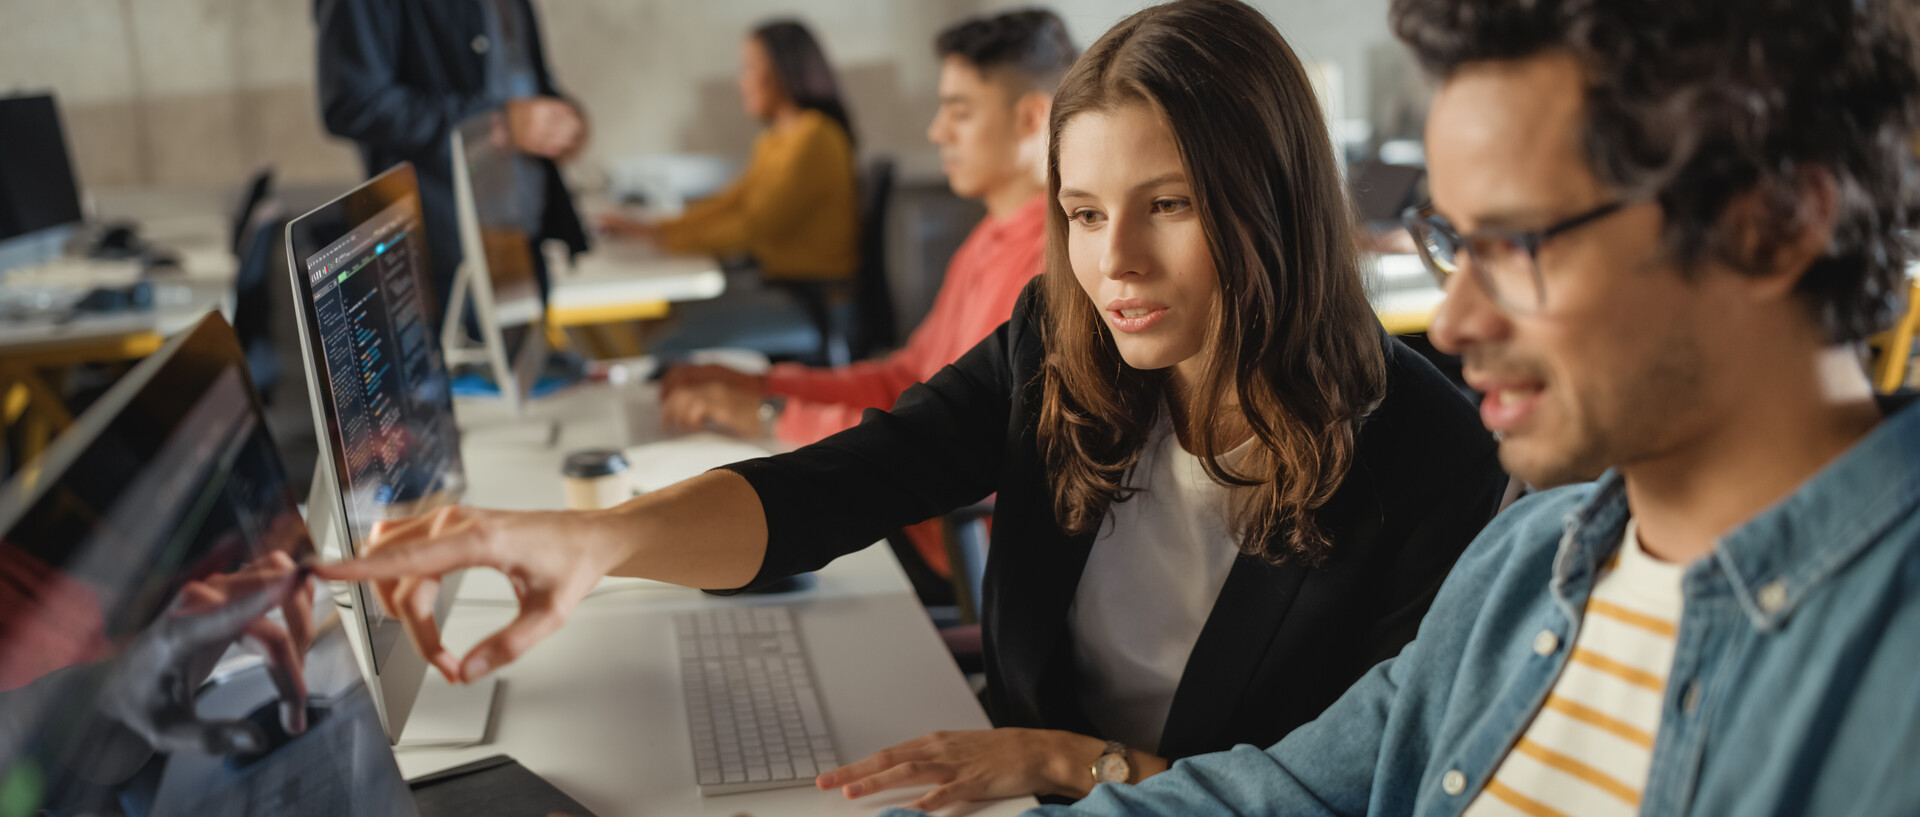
<point>1661,224</point>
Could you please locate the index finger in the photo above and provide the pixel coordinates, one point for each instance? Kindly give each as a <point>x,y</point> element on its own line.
<point>420,557</point>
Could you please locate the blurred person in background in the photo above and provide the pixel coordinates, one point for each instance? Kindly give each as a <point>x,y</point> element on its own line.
<point>397,78</point>
<point>997,76</point>
<point>796,208</point>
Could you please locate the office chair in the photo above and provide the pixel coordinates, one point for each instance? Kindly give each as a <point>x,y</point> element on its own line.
<point>875,324</point>
<point>257,222</point>
<point>855,317</point>
<point>1896,344</point>
<point>968,530</point>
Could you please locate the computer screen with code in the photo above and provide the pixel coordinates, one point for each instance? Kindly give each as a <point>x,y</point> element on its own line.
<point>383,387</point>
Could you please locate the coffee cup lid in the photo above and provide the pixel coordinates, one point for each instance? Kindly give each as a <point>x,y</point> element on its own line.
<point>598,462</point>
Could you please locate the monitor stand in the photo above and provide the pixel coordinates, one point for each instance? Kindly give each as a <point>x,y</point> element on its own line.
<point>450,714</point>
<point>442,714</point>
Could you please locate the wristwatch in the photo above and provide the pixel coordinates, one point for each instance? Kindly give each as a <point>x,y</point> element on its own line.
<point>770,409</point>
<point>1111,766</point>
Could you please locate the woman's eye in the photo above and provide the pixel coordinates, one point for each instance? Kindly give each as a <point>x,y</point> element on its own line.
<point>1168,206</point>
<point>1085,217</point>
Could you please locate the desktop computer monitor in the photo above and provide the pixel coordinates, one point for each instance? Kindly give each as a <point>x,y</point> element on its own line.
<point>39,200</point>
<point>382,404</point>
<point>164,649</point>
<point>493,187</point>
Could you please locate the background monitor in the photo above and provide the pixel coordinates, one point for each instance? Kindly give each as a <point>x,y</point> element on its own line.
<point>163,648</point>
<point>382,404</point>
<point>39,199</point>
<point>495,190</point>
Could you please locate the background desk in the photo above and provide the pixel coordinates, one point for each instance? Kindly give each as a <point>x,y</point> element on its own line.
<point>621,280</point>
<point>596,708</point>
<point>1402,291</point>
<point>187,224</point>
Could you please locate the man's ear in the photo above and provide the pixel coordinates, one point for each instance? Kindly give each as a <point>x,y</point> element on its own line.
<point>1777,230</point>
<point>1030,113</point>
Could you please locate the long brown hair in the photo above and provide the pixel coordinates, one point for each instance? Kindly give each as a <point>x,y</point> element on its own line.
<point>1293,347</point>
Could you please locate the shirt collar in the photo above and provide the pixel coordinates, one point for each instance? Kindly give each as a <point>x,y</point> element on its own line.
<point>1777,558</point>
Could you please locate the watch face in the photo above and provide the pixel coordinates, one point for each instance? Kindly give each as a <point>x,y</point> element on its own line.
<point>1112,769</point>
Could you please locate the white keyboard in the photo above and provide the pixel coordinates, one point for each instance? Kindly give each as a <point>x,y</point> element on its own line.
<point>751,706</point>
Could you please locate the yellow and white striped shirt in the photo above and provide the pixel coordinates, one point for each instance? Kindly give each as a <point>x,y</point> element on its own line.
<point>1588,751</point>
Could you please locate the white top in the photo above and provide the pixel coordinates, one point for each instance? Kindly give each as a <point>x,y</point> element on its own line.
<point>1590,747</point>
<point>1156,568</point>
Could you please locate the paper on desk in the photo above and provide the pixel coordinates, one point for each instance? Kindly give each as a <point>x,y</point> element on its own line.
<point>656,465</point>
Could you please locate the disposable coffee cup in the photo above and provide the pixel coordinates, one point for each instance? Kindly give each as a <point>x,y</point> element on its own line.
<point>596,479</point>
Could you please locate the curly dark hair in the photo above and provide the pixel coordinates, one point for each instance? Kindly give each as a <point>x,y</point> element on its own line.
<point>1028,48</point>
<point>1698,102</point>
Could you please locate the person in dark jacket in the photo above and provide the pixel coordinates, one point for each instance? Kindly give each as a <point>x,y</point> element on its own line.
<point>1224,493</point>
<point>397,78</point>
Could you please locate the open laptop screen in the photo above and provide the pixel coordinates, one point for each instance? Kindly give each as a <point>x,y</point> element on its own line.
<point>163,648</point>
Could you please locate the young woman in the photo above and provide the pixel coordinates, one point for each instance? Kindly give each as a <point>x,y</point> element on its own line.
<point>1224,492</point>
<point>796,209</point>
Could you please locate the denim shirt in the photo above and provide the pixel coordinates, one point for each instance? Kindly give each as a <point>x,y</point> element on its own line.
<point>1795,686</point>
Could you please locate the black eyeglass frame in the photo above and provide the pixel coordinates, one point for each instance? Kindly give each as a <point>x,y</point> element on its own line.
<point>1425,218</point>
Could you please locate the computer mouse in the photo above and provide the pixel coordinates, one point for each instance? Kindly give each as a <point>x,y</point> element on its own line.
<point>791,584</point>
<point>117,240</point>
<point>159,262</point>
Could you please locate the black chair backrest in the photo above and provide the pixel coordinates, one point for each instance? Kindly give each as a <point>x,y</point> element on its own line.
<point>258,225</point>
<point>259,186</point>
<point>873,298</point>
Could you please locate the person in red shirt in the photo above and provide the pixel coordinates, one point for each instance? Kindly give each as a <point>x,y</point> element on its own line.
<point>997,77</point>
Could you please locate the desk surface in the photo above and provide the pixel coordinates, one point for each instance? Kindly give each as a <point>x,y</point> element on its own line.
<point>189,224</point>
<point>1403,293</point>
<point>625,271</point>
<point>596,708</point>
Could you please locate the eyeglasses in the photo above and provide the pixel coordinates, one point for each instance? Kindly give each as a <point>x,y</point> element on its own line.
<point>1505,262</point>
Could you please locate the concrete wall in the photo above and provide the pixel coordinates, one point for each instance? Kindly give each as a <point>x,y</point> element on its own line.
<point>199,92</point>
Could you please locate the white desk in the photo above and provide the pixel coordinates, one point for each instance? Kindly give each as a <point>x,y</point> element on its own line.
<point>37,335</point>
<point>188,224</point>
<point>618,271</point>
<point>1403,293</point>
<point>596,707</point>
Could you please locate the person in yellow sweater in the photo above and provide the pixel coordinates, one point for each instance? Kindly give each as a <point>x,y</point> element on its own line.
<point>796,208</point>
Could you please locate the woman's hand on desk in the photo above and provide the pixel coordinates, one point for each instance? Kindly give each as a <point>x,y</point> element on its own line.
<point>734,410</point>
<point>983,764</point>
<point>621,226</point>
<point>553,559</point>
<point>694,374</point>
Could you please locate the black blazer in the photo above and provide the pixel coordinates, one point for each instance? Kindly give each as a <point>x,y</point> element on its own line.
<point>396,78</point>
<point>1281,643</point>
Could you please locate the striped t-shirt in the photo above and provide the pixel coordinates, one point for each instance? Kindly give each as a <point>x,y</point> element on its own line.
<point>1590,747</point>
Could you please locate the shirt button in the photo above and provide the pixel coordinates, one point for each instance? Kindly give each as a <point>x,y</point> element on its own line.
<point>1545,643</point>
<point>1772,596</point>
<point>481,44</point>
<point>1692,703</point>
<point>1453,782</point>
